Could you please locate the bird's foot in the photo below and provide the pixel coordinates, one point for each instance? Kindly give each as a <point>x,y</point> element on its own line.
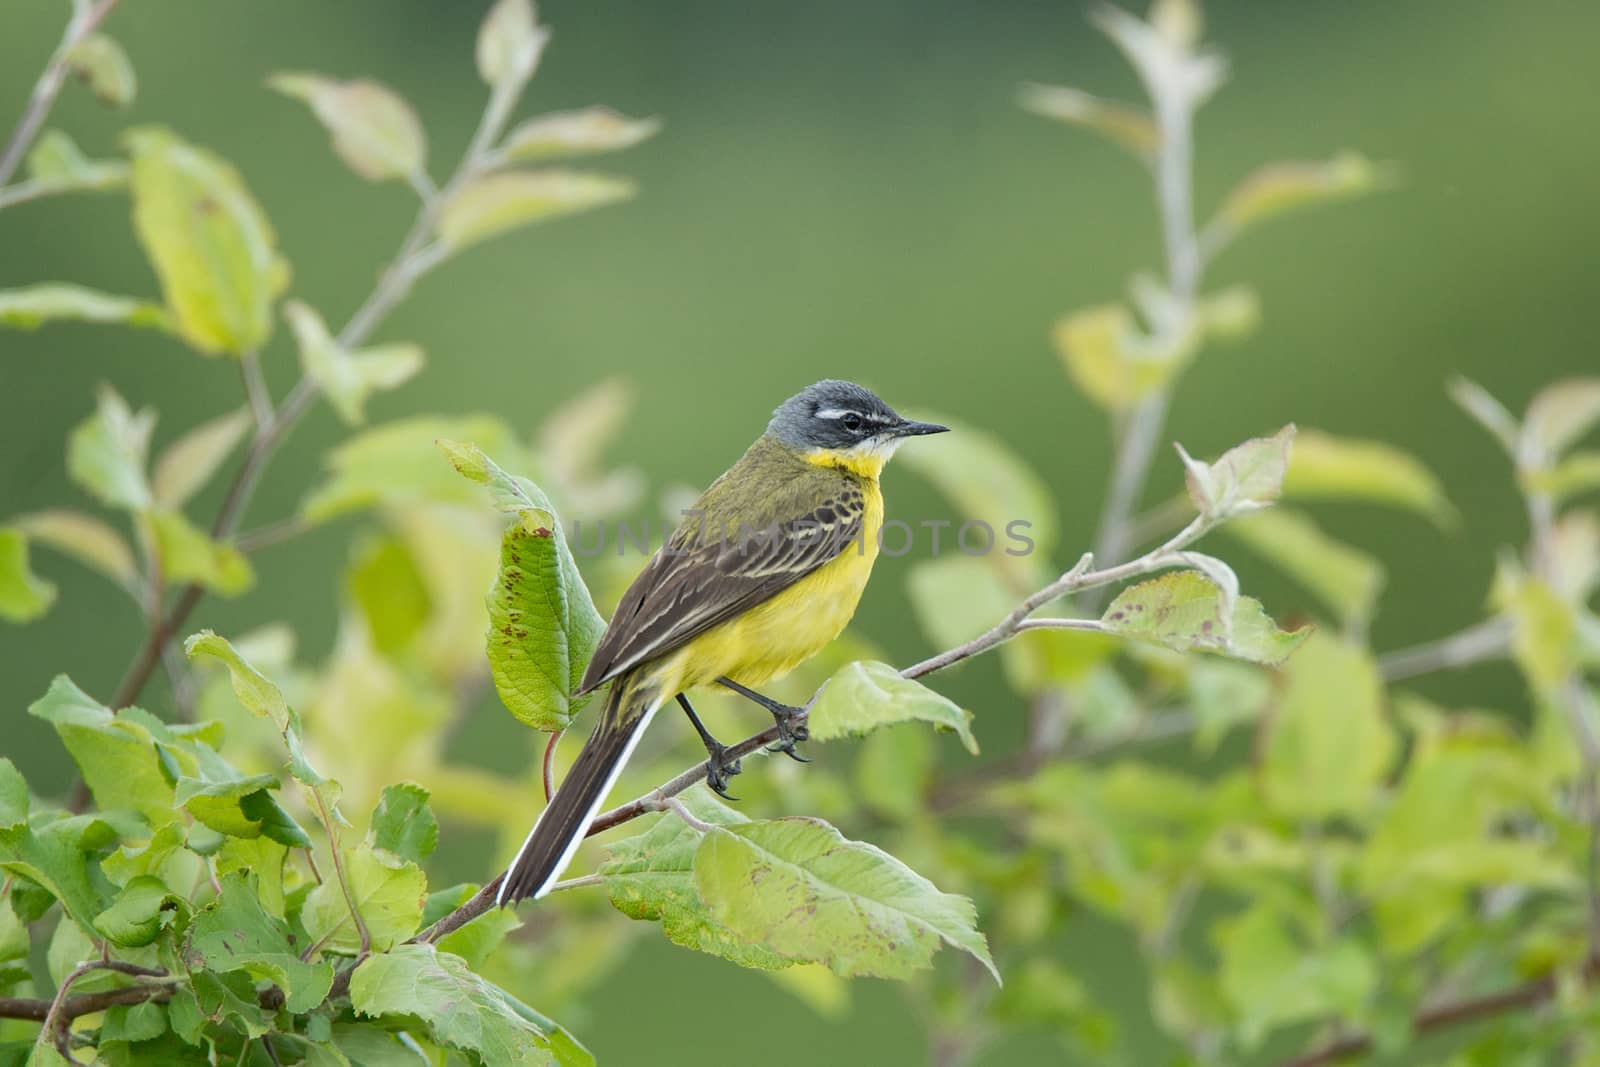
<point>719,768</point>
<point>789,731</point>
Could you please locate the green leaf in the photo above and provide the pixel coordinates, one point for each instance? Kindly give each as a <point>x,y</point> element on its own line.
<point>388,588</point>
<point>1223,694</point>
<point>460,1010</point>
<point>586,131</point>
<point>1186,610</point>
<point>188,555</point>
<point>1277,188</point>
<point>865,695</point>
<point>87,539</point>
<point>115,753</point>
<point>54,853</point>
<point>1272,979</point>
<point>1558,417</point>
<point>1328,744</point>
<point>894,771</point>
<point>105,68</point>
<point>209,241</point>
<point>138,914</point>
<point>144,1021</point>
<point>988,482</point>
<point>398,463</point>
<point>387,892</point>
<point>1247,478</point>
<point>1325,467</point>
<point>498,203</point>
<point>1488,412</point>
<point>1544,640</point>
<point>1129,127</point>
<point>348,378</point>
<point>1346,579</point>
<point>231,803</point>
<point>262,858</point>
<point>106,452</point>
<point>477,940</point>
<point>543,626</point>
<point>57,164</point>
<point>403,823</point>
<point>1578,473</point>
<point>233,933</point>
<point>1115,364</point>
<point>34,305</point>
<point>823,898</point>
<point>374,130</point>
<point>651,877</point>
<point>24,596</point>
<point>13,797</point>
<point>185,466</point>
<point>510,43</point>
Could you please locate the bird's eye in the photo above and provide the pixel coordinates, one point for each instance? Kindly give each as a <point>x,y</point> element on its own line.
<point>851,421</point>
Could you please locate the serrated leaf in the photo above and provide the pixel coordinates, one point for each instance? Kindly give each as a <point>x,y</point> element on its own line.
<point>1277,188</point>
<point>209,241</point>
<point>1558,417</point>
<point>1346,579</point>
<point>403,823</point>
<point>1246,478</point>
<point>135,918</point>
<point>498,203</point>
<point>54,853</point>
<point>85,538</point>
<point>34,305</point>
<point>233,933</point>
<point>650,877</point>
<point>510,43</point>
<point>387,892</point>
<point>105,68</point>
<point>115,753</point>
<point>24,596</point>
<point>1185,610</point>
<point>185,466</point>
<point>866,695</point>
<point>1132,128</point>
<point>543,626</point>
<point>398,463</point>
<point>586,131</point>
<point>1328,743</point>
<point>57,164</point>
<point>348,378</point>
<point>820,897</point>
<point>106,452</point>
<point>1326,467</point>
<point>374,130</point>
<point>461,1010</point>
<point>188,555</point>
<point>144,1021</point>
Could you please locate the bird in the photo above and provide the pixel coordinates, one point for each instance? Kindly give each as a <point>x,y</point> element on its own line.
<point>765,571</point>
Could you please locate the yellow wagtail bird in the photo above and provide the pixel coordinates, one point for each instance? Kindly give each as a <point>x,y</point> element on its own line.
<point>769,572</point>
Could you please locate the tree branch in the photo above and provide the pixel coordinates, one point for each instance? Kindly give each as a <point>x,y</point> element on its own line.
<point>84,21</point>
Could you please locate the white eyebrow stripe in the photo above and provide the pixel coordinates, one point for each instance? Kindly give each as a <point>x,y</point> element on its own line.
<point>839,413</point>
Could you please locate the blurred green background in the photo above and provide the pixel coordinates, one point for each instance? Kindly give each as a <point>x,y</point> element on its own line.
<point>848,189</point>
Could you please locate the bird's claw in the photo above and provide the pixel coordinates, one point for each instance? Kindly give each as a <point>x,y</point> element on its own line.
<point>719,769</point>
<point>789,732</point>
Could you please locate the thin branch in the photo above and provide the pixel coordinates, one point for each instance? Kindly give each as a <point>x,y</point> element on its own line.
<point>57,1019</point>
<point>549,768</point>
<point>255,390</point>
<point>1454,1013</point>
<point>273,533</point>
<point>339,873</point>
<point>84,21</point>
<point>36,1010</point>
<point>1487,640</point>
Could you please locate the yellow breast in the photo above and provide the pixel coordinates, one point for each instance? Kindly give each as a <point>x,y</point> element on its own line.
<point>779,634</point>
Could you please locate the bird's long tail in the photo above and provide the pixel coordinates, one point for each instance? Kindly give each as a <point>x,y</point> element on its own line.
<point>561,828</point>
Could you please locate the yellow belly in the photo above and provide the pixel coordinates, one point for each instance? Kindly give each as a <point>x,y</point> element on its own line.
<point>776,636</point>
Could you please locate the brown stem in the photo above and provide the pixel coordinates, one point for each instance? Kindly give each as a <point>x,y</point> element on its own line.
<point>49,86</point>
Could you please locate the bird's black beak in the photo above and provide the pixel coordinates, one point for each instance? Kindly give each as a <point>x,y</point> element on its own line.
<point>919,429</point>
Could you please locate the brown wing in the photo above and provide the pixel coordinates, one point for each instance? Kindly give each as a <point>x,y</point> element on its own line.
<point>705,577</point>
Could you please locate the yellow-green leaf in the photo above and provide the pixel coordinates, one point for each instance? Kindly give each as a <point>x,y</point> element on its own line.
<point>1346,579</point>
<point>387,892</point>
<point>865,695</point>
<point>498,203</point>
<point>510,43</point>
<point>105,68</point>
<point>1277,188</point>
<point>1328,744</point>
<point>106,452</point>
<point>1111,362</point>
<point>34,305</point>
<point>586,131</point>
<point>1132,128</point>
<point>1325,467</point>
<point>187,464</point>
<point>1246,478</point>
<point>209,241</point>
<point>24,596</point>
<point>87,539</point>
<point>348,378</point>
<point>56,162</point>
<point>374,130</point>
<point>1187,611</point>
<point>189,555</point>
<point>1560,415</point>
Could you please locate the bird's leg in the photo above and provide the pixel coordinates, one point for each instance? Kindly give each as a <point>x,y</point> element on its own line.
<point>718,767</point>
<point>788,730</point>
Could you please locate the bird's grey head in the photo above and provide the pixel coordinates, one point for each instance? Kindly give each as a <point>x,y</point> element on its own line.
<point>842,416</point>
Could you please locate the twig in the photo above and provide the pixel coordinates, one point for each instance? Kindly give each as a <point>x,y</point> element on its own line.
<point>1443,1016</point>
<point>339,872</point>
<point>549,765</point>
<point>84,21</point>
<point>273,533</point>
<point>57,1018</point>
<point>255,390</point>
<point>1490,639</point>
